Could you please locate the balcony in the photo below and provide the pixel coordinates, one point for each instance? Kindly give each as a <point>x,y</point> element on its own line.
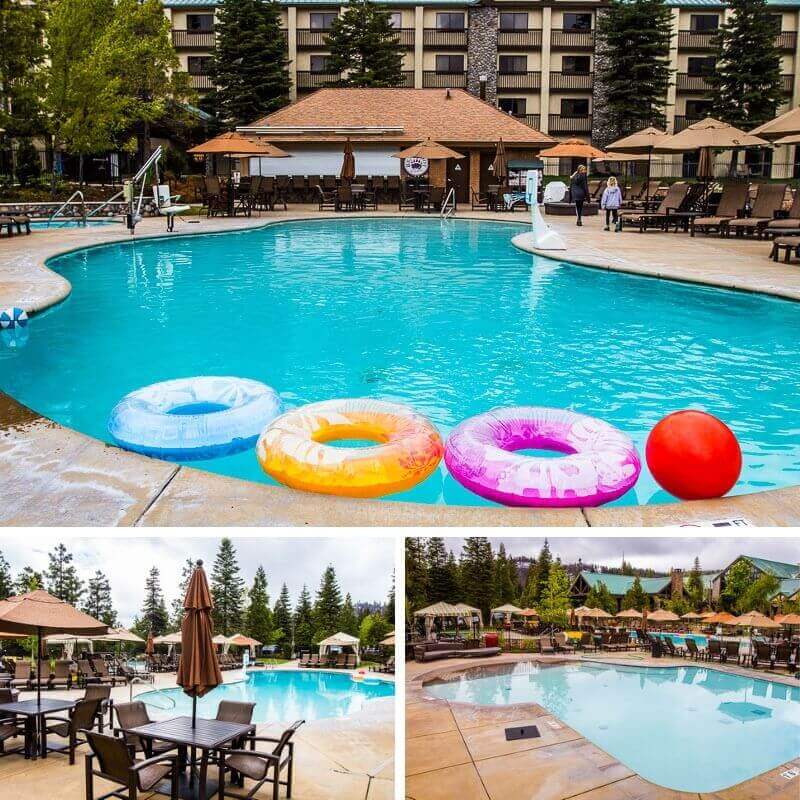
<point>434,37</point>
<point>444,80</point>
<point>194,40</point>
<point>786,40</point>
<point>514,39</point>
<point>683,122</point>
<point>200,81</point>
<point>316,80</point>
<point>558,124</point>
<point>405,36</point>
<point>571,81</point>
<point>519,80</point>
<point>306,37</point>
<point>692,83</point>
<point>696,40</point>
<point>787,82</point>
<point>534,120</point>
<point>408,79</point>
<point>572,40</point>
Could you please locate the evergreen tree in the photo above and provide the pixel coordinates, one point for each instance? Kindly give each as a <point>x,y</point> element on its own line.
<point>328,606</point>
<point>454,575</point>
<point>528,597</point>
<point>282,621</point>
<point>250,64</point>
<point>154,618</point>
<point>541,573</point>
<point>736,582</point>
<point>364,46</point>
<point>746,84</point>
<point>635,597</point>
<point>416,573</point>
<point>504,585</point>
<point>6,581</point>
<point>554,606</point>
<point>258,619</point>
<point>390,604</point>
<point>477,573</point>
<point>97,601</point>
<point>304,635</point>
<point>348,619</point>
<point>227,588</point>
<point>28,581</point>
<point>440,573</point>
<point>694,586</point>
<point>62,577</point>
<point>177,603</point>
<point>632,71</point>
<point>600,597</point>
<point>28,167</point>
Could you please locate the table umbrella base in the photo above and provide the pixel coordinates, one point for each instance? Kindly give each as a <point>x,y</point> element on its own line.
<point>189,789</point>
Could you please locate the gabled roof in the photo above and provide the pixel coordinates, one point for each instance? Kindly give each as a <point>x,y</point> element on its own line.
<point>780,569</point>
<point>619,585</point>
<point>398,116</point>
<point>789,588</point>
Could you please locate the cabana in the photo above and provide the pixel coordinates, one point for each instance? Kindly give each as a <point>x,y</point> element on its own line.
<point>442,610</point>
<point>507,610</point>
<point>339,643</point>
<point>240,640</point>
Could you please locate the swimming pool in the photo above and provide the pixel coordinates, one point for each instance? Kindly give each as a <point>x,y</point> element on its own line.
<point>72,223</point>
<point>448,317</point>
<point>280,695</point>
<point>685,728</point>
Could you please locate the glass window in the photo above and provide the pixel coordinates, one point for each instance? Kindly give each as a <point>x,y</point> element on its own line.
<point>450,21</point>
<point>513,21</point>
<point>573,107</point>
<point>512,105</point>
<point>701,65</point>
<point>200,23</point>
<point>199,65</point>
<point>698,109</point>
<point>513,64</point>
<point>321,20</point>
<point>449,63</point>
<point>319,63</point>
<point>396,19</point>
<point>576,65</point>
<point>776,20</point>
<point>704,23</point>
<point>577,22</point>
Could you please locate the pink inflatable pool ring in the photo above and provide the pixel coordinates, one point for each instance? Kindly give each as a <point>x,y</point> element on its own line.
<point>600,462</point>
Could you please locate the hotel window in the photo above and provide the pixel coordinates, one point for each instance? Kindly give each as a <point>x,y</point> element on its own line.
<point>698,109</point>
<point>318,63</point>
<point>701,65</point>
<point>447,64</point>
<point>450,21</point>
<point>200,23</point>
<point>396,19</point>
<point>321,21</point>
<point>776,20</point>
<point>704,23</point>
<point>577,22</point>
<point>575,65</point>
<point>199,65</point>
<point>513,21</point>
<point>574,107</point>
<point>513,65</point>
<point>512,105</point>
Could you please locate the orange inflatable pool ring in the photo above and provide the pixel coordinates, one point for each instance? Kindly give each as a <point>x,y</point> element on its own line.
<point>293,450</point>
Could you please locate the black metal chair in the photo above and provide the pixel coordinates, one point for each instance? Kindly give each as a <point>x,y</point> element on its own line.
<point>133,715</point>
<point>81,717</point>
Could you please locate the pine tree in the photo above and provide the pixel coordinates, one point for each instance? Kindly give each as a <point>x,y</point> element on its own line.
<point>304,622</point>
<point>250,64</point>
<point>154,618</point>
<point>282,621</point>
<point>600,597</point>
<point>554,606</point>
<point>477,573</point>
<point>227,588</point>
<point>416,573</point>
<point>177,604</point>
<point>746,84</point>
<point>6,581</point>
<point>632,71</point>
<point>28,581</point>
<point>97,601</point>
<point>328,606</point>
<point>694,586</point>
<point>528,597</point>
<point>440,577</point>
<point>348,619</point>
<point>258,618</point>
<point>390,604</point>
<point>541,573</point>
<point>364,46</point>
<point>635,597</point>
<point>62,577</point>
<point>504,586</point>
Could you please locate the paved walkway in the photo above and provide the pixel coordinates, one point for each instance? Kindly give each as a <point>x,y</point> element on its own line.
<point>55,476</point>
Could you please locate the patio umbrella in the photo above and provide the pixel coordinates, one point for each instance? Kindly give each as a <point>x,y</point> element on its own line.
<point>500,164</point>
<point>755,619</point>
<point>642,142</point>
<point>691,615</point>
<point>783,125</point>
<point>788,619</point>
<point>198,672</point>
<point>119,635</point>
<point>662,615</point>
<point>169,638</point>
<point>388,641</point>
<point>39,614</point>
<point>630,613</point>
<point>428,149</point>
<point>348,171</point>
<point>722,618</point>
<point>600,613</point>
<point>572,148</point>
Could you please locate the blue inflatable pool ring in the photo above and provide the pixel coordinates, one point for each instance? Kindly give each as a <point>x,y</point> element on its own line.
<point>193,419</point>
<point>13,318</point>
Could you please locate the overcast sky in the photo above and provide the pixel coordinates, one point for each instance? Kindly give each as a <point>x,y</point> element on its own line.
<point>661,553</point>
<point>363,565</point>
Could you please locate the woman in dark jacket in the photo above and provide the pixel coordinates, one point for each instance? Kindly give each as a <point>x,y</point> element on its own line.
<point>579,191</point>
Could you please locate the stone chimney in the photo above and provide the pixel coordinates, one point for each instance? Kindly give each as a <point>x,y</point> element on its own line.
<point>676,582</point>
<point>482,53</point>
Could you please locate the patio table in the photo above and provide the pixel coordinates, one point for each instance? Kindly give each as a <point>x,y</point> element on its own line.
<point>208,736</point>
<point>34,711</point>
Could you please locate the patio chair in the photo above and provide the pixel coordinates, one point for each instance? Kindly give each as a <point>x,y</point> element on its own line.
<point>133,715</point>
<point>102,693</point>
<point>263,767</point>
<point>659,218</point>
<point>761,652</point>
<point>86,671</point>
<point>81,718</point>
<point>329,183</point>
<point>313,661</point>
<point>587,641</point>
<point>696,653</point>
<point>22,675</point>
<point>344,198</point>
<point>634,191</point>
<point>675,652</point>
<point>546,645</point>
<point>299,188</point>
<point>766,208</point>
<point>790,223</point>
<point>781,655</point>
<point>406,200</point>
<point>116,764</point>
<point>313,182</point>
<point>104,676</point>
<point>352,661</point>
<point>62,675</point>
<point>40,680</point>
<point>10,726</point>
<point>562,643</point>
<point>304,658</point>
<point>341,661</point>
<point>714,650</point>
<point>434,199</point>
<point>647,197</point>
<point>731,206</point>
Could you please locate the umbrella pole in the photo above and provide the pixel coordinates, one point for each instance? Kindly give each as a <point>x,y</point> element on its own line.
<point>38,666</point>
<point>194,711</point>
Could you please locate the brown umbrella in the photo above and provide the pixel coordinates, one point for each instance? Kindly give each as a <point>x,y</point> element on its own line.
<point>662,615</point>
<point>709,132</point>
<point>755,619</point>
<point>782,125</point>
<point>39,614</point>
<point>722,618</point>
<point>348,171</point>
<point>643,141</point>
<point>500,164</point>
<point>631,613</point>
<point>692,616</point>
<point>572,148</point>
<point>788,619</point>
<point>428,149</point>
<point>199,671</point>
<point>235,144</point>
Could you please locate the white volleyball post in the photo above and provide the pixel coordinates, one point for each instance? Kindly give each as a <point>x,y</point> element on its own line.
<point>541,236</point>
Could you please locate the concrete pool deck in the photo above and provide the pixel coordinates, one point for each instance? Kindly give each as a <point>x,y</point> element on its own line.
<point>456,750</point>
<point>50,475</point>
<point>335,759</point>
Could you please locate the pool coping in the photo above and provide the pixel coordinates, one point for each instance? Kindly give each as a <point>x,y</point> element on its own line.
<point>415,688</point>
<point>183,496</point>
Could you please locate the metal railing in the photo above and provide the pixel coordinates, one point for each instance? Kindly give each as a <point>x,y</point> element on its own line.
<point>444,80</point>
<point>527,38</point>
<point>787,83</point>
<point>692,83</point>
<point>696,40</point>
<point>200,81</point>
<point>434,37</point>
<point>682,122</point>
<point>571,80</point>
<point>408,79</point>
<point>308,37</point>
<point>519,80</point>
<point>577,40</point>
<point>558,123</point>
<point>786,40</point>
<point>201,39</point>
<point>307,79</point>
<point>69,202</point>
<point>448,204</point>
<point>405,36</point>
<point>534,120</point>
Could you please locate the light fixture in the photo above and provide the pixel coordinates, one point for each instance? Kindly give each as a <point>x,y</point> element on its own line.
<point>457,168</point>
<point>491,167</point>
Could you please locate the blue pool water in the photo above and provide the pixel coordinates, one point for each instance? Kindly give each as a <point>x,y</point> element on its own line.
<point>447,317</point>
<point>280,695</point>
<point>685,728</point>
<point>679,639</point>
<point>72,223</point>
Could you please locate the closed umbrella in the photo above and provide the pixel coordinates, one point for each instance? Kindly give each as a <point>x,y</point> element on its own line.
<point>348,171</point>
<point>500,164</point>
<point>199,671</point>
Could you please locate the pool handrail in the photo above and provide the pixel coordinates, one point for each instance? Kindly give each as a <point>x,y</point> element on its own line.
<point>68,201</point>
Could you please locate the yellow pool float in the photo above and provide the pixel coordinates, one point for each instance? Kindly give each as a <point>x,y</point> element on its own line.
<point>293,450</point>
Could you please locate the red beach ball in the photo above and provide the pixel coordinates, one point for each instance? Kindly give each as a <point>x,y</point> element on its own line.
<point>693,455</point>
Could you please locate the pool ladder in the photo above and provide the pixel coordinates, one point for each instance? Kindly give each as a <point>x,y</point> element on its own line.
<point>77,193</point>
<point>448,204</point>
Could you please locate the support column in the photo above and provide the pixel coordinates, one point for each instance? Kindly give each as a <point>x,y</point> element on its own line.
<point>419,33</point>
<point>544,91</point>
<point>292,50</point>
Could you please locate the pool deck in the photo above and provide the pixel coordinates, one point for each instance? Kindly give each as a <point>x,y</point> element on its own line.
<point>457,750</point>
<point>54,476</point>
<point>335,759</point>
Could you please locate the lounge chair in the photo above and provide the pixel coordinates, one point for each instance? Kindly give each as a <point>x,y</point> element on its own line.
<point>714,650</point>
<point>696,653</point>
<point>80,719</point>
<point>304,658</point>
<point>264,767</point>
<point>388,667</point>
<point>587,641</point>
<point>116,764</point>
<point>406,201</point>
<point>351,662</point>
<point>314,660</point>
<point>87,674</point>
<point>104,676</point>
<point>299,187</point>
<point>731,206</point>
<point>788,224</point>
<point>766,208</point>
<point>660,218</point>
<point>562,643</point>
<point>133,715</point>
<point>675,652</point>
<point>546,645</point>
<point>760,652</point>
<point>341,661</point>
<point>62,675</point>
<point>8,224</point>
<point>645,199</point>
<point>634,191</point>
